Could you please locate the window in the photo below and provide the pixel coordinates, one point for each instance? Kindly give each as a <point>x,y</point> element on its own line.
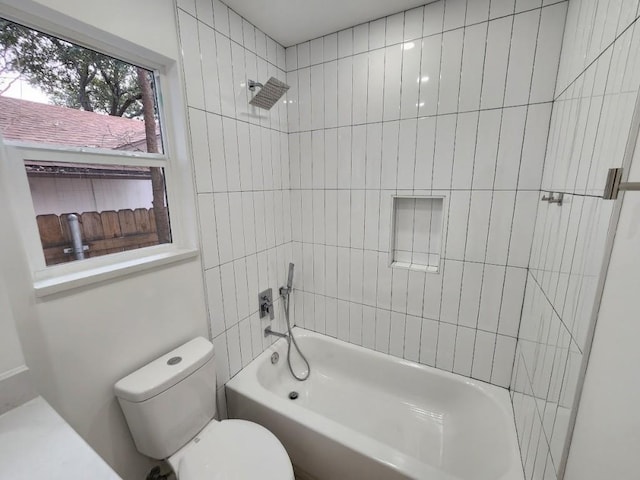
<point>88,129</point>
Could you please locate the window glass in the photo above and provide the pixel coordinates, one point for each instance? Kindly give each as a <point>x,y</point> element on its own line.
<point>54,92</point>
<point>84,211</point>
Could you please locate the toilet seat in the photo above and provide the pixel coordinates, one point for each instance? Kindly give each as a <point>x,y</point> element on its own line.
<point>232,450</point>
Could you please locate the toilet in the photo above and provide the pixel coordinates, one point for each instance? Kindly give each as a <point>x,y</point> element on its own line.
<point>169,405</point>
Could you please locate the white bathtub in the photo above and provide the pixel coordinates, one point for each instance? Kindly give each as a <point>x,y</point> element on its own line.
<point>366,415</point>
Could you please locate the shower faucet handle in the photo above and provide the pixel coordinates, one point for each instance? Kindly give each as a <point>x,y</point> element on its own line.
<point>554,197</point>
<point>265,302</point>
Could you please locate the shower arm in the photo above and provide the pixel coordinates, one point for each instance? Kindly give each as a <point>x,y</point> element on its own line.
<point>253,84</point>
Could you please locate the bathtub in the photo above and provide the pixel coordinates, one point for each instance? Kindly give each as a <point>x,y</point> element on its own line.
<point>366,415</point>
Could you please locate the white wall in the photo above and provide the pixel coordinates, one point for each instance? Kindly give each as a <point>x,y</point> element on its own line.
<point>596,90</point>
<point>15,382</point>
<point>79,343</point>
<point>148,23</point>
<point>12,356</point>
<point>606,438</point>
<point>450,99</point>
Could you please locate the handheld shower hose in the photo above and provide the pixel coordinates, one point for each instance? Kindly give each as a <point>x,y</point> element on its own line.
<point>286,291</point>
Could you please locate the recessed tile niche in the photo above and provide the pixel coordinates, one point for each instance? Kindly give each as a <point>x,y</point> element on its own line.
<point>416,233</point>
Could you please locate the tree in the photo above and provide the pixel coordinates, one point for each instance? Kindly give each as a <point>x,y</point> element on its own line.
<point>13,40</point>
<point>157,177</point>
<point>72,76</point>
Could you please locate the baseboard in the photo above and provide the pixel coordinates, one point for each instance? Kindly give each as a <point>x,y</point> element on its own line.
<point>16,388</point>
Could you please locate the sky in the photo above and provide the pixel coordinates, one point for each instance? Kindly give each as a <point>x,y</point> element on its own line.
<point>22,90</point>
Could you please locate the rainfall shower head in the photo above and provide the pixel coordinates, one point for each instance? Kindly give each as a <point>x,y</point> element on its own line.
<point>269,93</point>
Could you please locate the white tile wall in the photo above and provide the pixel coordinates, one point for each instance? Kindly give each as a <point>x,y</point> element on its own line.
<point>241,160</point>
<point>368,116</point>
<point>592,26</point>
<point>597,86</point>
<point>438,100</point>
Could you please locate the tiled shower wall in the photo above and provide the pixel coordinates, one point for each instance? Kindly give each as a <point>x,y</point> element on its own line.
<point>595,96</point>
<point>241,166</point>
<point>452,99</point>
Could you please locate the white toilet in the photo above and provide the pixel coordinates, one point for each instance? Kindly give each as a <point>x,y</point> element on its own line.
<point>169,405</point>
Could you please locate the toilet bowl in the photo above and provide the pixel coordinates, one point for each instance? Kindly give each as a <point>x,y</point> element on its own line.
<point>170,404</point>
<point>232,449</point>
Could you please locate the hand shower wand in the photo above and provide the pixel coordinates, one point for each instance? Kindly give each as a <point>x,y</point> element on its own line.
<point>285,292</point>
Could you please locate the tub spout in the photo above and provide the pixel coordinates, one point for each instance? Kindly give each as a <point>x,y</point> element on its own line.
<point>268,331</point>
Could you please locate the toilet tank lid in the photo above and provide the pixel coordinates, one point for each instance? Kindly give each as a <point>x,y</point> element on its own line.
<point>164,372</point>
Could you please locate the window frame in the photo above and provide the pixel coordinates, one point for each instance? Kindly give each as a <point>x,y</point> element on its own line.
<point>175,160</point>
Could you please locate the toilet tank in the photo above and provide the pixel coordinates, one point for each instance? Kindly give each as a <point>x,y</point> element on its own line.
<point>168,401</point>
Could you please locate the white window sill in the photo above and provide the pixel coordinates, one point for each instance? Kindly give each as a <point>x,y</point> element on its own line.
<point>70,281</point>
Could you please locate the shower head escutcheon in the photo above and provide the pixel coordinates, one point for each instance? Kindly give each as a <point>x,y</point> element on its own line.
<point>269,93</point>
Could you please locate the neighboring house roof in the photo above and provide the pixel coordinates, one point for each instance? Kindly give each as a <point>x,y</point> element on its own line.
<point>51,124</point>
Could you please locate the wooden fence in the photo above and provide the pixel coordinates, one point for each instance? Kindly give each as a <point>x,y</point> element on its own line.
<point>103,232</point>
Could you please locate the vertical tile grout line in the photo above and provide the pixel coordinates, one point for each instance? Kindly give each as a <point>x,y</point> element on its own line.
<point>380,199</point>
<point>233,253</point>
<point>473,171</point>
<point>252,196</point>
<point>337,167</point>
<point>364,222</point>
<point>406,299</point>
<point>365,194</point>
<point>393,213</point>
<point>415,161</point>
<point>244,63</point>
<point>300,302</point>
<point>324,183</point>
<point>198,213</point>
<point>217,233</point>
<point>453,162</point>
<point>513,216</point>
<point>312,321</point>
<point>350,245</point>
<point>433,165</point>
<point>506,76</point>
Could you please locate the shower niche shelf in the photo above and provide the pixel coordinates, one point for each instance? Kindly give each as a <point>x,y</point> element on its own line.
<point>416,232</point>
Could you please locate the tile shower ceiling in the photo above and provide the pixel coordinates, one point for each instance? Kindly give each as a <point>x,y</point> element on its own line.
<point>291,21</point>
